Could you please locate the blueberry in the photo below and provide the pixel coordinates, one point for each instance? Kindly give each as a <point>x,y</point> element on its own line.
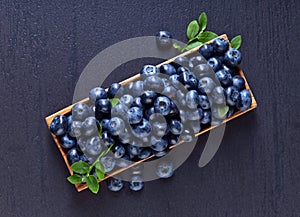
<point>146,152</point>
<point>142,129</point>
<point>172,139</point>
<point>195,115</point>
<point>206,85</point>
<point>214,63</point>
<point>81,142</point>
<point>188,79</point>
<point>194,61</point>
<point>224,77</point>
<point>202,70</point>
<point>136,183</point>
<point>149,70</point>
<point>230,111</point>
<point>125,137</point>
<point>97,93</point>
<point>162,105</point>
<point>120,110</point>
<point>187,135</point>
<point>106,139</point>
<point>163,39</point>
<point>220,45</point>
<point>148,112</point>
<point>161,153</point>
<point>192,99</point>
<point>167,69</point>
<point>160,145</point>
<point>104,124</point>
<point>118,150</point>
<point>83,158</point>
<point>233,57</point>
<point>148,98</point>
<point>116,126</point>
<point>137,102</point>
<point>204,102</point>
<point>174,110</point>
<point>175,127</point>
<point>165,170</point>
<point>67,142</point>
<point>238,82</point>
<point>114,89</point>
<point>70,121</point>
<point>159,127</point>
<point>134,115</point>
<point>124,162</point>
<point>73,156</point>
<point>89,127</point>
<point>218,95</point>
<point>109,163</point>
<point>93,146</point>
<point>154,83</point>
<point>229,70</point>
<point>244,101</point>
<point>206,50</point>
<point>169,91</point>
<point>114,184</point>
<point>182,61</point>
<point>137,88</point>
<point>126,100</point>
<point>59,125</point>
<point>103,106</point>
<point>195,126</point>
<point>80,112</point>
<point>206,117</point>
<point>181,70</point>
<point>174,80</point>
<point>232,95</point>
<point>133,150</point>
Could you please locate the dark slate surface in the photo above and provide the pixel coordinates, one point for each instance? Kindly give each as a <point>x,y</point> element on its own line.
<point>44,46</point>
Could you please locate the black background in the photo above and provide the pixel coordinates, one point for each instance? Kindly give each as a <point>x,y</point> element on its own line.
<point>44,46</point>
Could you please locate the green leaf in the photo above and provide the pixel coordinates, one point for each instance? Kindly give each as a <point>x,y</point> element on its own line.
<point>203,21</point>
<point>177,46</point>
<point>192,29</point>
<point>99,165</point>
<point>236,42</point>
<point>114,101</point>
<point>222,110</point>
<point>75,179</point>
<point>100,129</point>
<point>100,174</point>
<point>80,167</point>
<point>206,36</point>
<point>92,183</point>
<point>193,45</point>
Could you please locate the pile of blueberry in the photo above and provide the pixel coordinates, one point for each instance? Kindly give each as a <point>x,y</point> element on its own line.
<point>146,117</point>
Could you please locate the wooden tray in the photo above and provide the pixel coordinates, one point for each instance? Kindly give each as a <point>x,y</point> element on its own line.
<point>68,109</point>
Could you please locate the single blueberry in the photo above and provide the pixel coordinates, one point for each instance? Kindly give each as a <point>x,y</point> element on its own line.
<point>206,50</point>
<point>73,156</point>
<point>148,98</point>
<point>59,125</point>
<point>126,100</point>
<point>182,61</point>
<point>145,153</point>
<point>93,146</point>
<point>218,95</point>
<point>196,60</point>
<point>89,127</point>
<point>160,145</point>
<point>115,89</point>
<point>103,106</point>
<point>67,142</point>
<point>165,170</point>
<point>167,69</point>
<point>163,39</point>
<point>214,63</point>
<point>133,150</point>
<point>224,77</point>
<point>154,83</point>
<point>80,111</point>
<point>192,99</point>
<point>108,162</point>
<point>97,93</point>
<point>149,70</point>
<point>142,129</point>
<point>220,45</point>
<point>232,95</point>
<point>118,150</point>
<point>75,129</point>
<point>175,127</point>
<point>238,82</point>
<point>244,101</point>
<point>206,117</point>
<point>204,102</point>
<point>202,70</point>
<point>115,184</point>
<point>206,85</point>
<point>116,126</point>
<point>233,57</point>
<point>136,183</point>
<point>162,105</point>
<point>134,115</point>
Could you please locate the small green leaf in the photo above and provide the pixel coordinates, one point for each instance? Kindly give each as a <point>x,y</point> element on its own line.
<point>75,179</point>
<point>203,21</point>
<point>80,167</point>
<point>193,45</point>
<point>222,110</point>
<point>192,29</point>
<point>100,129</point>
<point>92,183</point>
<point>100,174</point>
<point>99,165</point>
<point>114,101</point>
<point>177,46</point>
<point>236,42</point>
<point>206,36</point>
